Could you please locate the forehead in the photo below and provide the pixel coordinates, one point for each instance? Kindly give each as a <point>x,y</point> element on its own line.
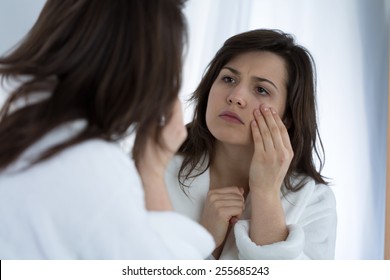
<point>260,63</point>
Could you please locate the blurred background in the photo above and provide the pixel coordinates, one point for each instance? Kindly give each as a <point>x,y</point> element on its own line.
<point>349,41</point>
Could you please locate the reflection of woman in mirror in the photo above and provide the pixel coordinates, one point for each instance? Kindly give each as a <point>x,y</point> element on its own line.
<point>247,170</point>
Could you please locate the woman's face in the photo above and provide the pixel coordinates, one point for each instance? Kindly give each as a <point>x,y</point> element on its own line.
<point>244,83</point>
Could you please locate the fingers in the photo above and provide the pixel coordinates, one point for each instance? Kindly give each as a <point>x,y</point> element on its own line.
<point>222,208</point>
<point>228,201</point>
<point>283,132</point>
<point>265,132</point>
<point>226,197</point>
<point>233,220</point>
<point>230,189</point>
<point>269,131</point>
<point>257,137</point>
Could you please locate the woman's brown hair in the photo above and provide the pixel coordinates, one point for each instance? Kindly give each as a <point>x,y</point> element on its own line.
<point>300,115</point>
<point>116,64</point>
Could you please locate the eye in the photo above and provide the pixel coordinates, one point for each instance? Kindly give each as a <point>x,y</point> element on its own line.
<point>228,80</point>
<point>262,91</point>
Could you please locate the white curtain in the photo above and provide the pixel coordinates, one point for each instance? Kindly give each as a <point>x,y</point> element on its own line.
<point>349,41</point>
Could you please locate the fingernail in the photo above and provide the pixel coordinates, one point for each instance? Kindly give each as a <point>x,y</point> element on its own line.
<point>257,112</point>
<point>273,111</point>
<point>266,109</point>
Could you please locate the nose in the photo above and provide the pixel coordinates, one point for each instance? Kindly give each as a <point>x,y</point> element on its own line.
<point>236,98</point>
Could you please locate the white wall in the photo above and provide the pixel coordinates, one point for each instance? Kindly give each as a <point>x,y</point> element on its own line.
<point>349,41</point>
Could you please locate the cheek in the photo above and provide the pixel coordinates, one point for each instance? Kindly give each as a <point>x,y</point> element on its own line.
<point>255,104</point>
<point>208,110</point>
<point>209,118</point>
<point>278,105</point>
<point>281,105</point>
<point>212,105</point>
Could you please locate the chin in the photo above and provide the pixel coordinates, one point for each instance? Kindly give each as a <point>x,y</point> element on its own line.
<point>230,134</point>
<point>231,138</point>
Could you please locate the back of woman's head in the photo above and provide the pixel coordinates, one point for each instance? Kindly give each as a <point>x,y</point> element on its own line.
<point>113,63</point>
<point>300,116</point>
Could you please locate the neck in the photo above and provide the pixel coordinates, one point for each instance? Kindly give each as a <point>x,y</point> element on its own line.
<point>230,166</point>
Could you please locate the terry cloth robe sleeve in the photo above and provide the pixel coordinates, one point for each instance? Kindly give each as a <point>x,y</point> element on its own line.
<point>134,233</point>
<point>312,228</point>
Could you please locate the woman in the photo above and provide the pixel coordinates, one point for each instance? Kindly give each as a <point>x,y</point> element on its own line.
<point>89,73</point>
<point>249,157</point>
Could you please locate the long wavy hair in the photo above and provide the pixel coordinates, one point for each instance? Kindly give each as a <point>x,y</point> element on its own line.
<point>116,64</point>
<point>300,114</point>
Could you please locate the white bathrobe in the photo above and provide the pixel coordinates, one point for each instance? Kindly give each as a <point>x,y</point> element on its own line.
<point>88,203</point>
<point>310,216</point>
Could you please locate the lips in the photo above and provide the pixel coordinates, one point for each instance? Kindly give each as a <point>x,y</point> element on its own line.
<point>231,117</point>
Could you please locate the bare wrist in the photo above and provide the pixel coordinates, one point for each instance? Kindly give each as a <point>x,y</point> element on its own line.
<point>156,194</point>
<point>265,194</point>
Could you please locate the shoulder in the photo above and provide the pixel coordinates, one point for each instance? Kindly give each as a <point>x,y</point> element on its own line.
<point>198,175</point>
<point>94,162</point>
<point>313,194</point>
<point>97,152</point>
<point>177,162</point>
<point>90,155</point>
<point>100,162</point>
<point>312,203</point>
<point>188,195</point>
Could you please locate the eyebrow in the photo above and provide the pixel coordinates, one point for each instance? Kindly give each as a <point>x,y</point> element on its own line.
<point>260,79</point>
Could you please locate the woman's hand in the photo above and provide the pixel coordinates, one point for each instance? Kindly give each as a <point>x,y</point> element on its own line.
<point>156,157</point>
<point>173,135</point>
<point>271,159</point>
<point>272,154</point>
<point>174,132</point>
<point>223,207</point>
<point>153,163</point>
